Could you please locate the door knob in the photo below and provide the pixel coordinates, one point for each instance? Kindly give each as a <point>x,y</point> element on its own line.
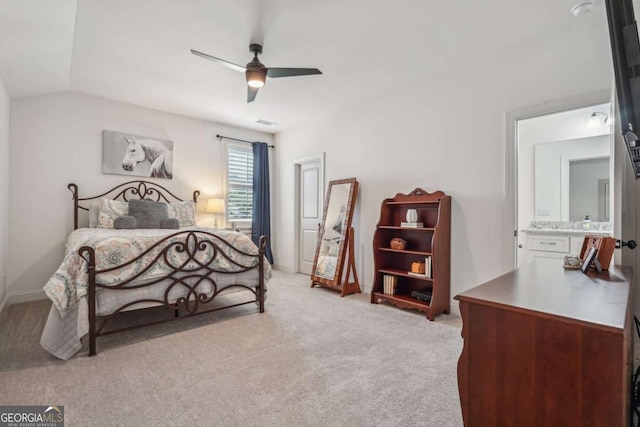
<point>631,244</point>
<point>520,245</point>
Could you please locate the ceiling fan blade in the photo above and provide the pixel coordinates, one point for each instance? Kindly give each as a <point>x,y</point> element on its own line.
<point>290,72</point>
<point>231,65</point>
<point>251,93</point>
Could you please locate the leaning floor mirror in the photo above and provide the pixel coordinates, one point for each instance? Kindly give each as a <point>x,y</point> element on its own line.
<point>335,240</point>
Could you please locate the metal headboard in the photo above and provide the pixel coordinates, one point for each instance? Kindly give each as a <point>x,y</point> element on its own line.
<point>127,191</point>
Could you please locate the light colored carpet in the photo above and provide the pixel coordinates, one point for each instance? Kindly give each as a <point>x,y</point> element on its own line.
<point>312,359</point>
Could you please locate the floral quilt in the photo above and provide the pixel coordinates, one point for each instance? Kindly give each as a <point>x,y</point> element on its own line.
<point>115,248</point>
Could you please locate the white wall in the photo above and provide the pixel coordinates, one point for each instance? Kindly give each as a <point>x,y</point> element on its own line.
<point>4,191</point>
<point>444,133</point>
<point>57,139</point>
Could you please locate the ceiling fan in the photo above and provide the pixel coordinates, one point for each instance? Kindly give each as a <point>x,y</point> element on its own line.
<point>256,72</point>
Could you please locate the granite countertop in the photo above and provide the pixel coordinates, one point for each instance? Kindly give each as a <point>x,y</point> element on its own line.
<point>566,231</point>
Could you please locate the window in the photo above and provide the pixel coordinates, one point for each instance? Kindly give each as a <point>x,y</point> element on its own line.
<point>239,182</point>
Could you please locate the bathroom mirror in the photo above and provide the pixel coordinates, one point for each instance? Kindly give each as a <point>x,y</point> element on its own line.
<point>572,180</point>
<point>334,235</point>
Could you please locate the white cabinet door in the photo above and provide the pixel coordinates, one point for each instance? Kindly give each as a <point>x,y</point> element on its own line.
<point>576,245</point>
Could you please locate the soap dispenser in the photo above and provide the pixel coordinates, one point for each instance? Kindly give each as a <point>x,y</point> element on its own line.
<point>586,223</point>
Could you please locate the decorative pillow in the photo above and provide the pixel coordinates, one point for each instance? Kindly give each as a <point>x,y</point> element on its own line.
<point>170,223</point>
<point>125,222</point>
<point>147,213</point>
<point>110,210</point>
<point>128,222</point>
<point>184,212</point>
<point>94,212</point>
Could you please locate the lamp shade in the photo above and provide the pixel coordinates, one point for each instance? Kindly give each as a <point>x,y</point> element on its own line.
<point>215,205</point>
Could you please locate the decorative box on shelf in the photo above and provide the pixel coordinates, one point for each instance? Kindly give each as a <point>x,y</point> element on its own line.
<point>417,267</point>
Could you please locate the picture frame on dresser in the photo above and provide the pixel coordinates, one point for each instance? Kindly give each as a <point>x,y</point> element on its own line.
<point>589,259</point>
<point>605,246</point>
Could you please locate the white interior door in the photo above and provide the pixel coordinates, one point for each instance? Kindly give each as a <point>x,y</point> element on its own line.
<point>310,199</point>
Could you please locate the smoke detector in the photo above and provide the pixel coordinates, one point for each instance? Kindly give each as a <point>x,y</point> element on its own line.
<point>582,8</point>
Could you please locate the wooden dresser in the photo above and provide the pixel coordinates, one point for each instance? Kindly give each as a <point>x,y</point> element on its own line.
<point>544,346</point>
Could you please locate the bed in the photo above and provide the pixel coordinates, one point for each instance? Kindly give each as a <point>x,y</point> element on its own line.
<point>106,271</point>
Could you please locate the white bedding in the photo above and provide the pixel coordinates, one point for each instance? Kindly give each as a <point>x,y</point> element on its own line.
<point>68,318</point>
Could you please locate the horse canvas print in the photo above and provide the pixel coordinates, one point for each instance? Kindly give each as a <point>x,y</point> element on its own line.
<point>128,154</point>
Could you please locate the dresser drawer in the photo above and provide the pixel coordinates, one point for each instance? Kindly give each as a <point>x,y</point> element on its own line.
<point>549,243</point>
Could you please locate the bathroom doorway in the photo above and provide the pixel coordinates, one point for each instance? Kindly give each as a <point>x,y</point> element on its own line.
<point>564,178</point>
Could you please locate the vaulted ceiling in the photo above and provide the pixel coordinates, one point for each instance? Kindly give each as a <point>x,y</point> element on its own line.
<point>138,51</point>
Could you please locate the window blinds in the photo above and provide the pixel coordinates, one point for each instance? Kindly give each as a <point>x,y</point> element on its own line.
<point>240,182</point>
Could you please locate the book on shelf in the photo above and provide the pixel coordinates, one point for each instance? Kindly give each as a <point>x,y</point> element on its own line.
<point>427,267</point>
<point>412,224</point>
<point>389,283</point>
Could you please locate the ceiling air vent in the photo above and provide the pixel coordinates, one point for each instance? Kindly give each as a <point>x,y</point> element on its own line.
<point>266,122</point>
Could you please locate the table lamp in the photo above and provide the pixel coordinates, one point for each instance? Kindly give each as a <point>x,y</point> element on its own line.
<point>215,206</point>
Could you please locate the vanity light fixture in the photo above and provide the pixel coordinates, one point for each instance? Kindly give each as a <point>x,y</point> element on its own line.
<point>596,121</point>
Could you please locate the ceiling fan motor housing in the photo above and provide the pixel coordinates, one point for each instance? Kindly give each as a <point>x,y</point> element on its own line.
<point>256,73</point>
<point>255,48</point>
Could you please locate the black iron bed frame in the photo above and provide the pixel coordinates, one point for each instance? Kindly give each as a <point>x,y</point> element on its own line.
<point>190,273</point>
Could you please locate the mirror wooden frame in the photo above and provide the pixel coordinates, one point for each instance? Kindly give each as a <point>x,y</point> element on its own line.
<point>345,249</point>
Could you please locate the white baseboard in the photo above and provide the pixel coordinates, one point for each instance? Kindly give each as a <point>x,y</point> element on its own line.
<point>26,296</point>
<point>283,268</point>
<point>455,308</point>
<point>4,301</point>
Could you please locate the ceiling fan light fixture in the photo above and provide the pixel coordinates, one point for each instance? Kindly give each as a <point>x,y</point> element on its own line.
<point>256,78</point>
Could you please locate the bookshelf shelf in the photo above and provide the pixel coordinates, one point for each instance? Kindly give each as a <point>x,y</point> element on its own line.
<point>402,300</point>
<point>404,251</point>
<point>403,273</point>
<point>394,227</point>
<point>430,244</point>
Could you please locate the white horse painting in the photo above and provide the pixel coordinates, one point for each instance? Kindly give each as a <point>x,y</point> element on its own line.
<point>139,150</point>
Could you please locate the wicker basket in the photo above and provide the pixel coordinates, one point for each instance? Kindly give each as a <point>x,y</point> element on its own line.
<point>398,243</point>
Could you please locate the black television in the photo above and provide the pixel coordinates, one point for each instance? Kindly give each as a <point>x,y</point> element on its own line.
<point>625,47</point>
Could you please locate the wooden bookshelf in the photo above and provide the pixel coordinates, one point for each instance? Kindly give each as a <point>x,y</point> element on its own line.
<point>433,240</point>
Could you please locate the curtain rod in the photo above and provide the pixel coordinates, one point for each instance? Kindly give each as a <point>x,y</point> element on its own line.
<point>220,137</point>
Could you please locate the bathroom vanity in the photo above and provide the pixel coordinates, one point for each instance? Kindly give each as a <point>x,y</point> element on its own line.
<point>545,240</point>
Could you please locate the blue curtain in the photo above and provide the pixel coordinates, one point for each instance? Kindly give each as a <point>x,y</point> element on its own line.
<point>261,213</point>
